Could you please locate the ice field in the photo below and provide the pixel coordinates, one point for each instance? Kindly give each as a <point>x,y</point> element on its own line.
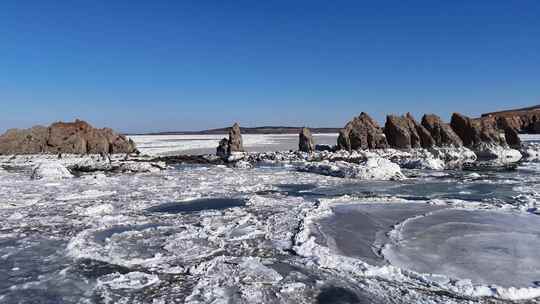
<point>268,234</point>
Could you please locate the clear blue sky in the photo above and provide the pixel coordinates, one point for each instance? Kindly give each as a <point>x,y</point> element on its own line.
<point>186,65</point>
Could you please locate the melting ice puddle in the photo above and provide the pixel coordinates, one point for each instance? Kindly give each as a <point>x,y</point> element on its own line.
<point>487,247</point>
<point>198,205</point>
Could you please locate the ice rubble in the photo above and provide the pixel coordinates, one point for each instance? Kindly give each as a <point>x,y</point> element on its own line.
<point>226,280</point>
<point>435,158</point>
<point>372,169</point>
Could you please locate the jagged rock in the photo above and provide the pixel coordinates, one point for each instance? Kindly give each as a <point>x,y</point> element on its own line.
<point>403,132</point>
<point>231,146</point>
<point>426,140</point>
<point>362,133</point>
<point>306,143</point>
<point>399,134</point>
<point>510,132</point>
<point>235,139</point>
<point>442,133</point>
<point>27,141</point>
<point>526,120</point>
<point>223,148</point>
<point>477,132</point>
<point>76,137</point>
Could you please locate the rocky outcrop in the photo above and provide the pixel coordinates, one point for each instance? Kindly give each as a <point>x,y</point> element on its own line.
<point>403,132</point>
<point>232,145</point>
<point>476,132</point>
<point>510,132</point>
<point>235,139</point>
<point>361,133</point>
<point>524,120</point>
<point>426,140</point>
<point>441,133</point>
<point>77,137</point>
<point>305,141</point>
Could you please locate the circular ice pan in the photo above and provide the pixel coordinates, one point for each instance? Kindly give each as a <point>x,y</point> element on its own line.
<point>487,247</point>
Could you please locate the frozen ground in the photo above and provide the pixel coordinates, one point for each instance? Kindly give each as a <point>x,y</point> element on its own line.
<point>269,234</point>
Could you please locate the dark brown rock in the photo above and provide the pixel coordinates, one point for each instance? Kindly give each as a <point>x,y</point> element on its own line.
<point>305,141</point>
<point>441,133</point>
<point>235,139</point>
<point>403,132</point>
<point>475,132</point>
<point>362,133</point>
<point>426,140</point>
<point>399,134</point>
<point>223,148</point>
<point>510,132</point>
<point>76,137</point>
<point>524,120</point>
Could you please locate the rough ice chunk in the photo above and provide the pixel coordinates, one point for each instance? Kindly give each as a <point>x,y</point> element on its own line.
<point>50,171</point>
<point>372,169</point>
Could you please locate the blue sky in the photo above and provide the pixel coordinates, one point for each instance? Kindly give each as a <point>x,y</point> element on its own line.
<point>142,66</point>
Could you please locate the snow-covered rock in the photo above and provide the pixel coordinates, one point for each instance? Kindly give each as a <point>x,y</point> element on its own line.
<point>372,169</point>
<point>50,170</point>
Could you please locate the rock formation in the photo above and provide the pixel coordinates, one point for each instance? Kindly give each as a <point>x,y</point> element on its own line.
<point>525,120</point>
<point>361,133</point>
<point>442,133</point>
<point>76,137</point>
<point>510,132</point>
<point>475,132</point>
<point>306,143</point>
<point>232,144</point>
<point>223,148</point>
<point>403,132</point>
<point>235,139</point>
